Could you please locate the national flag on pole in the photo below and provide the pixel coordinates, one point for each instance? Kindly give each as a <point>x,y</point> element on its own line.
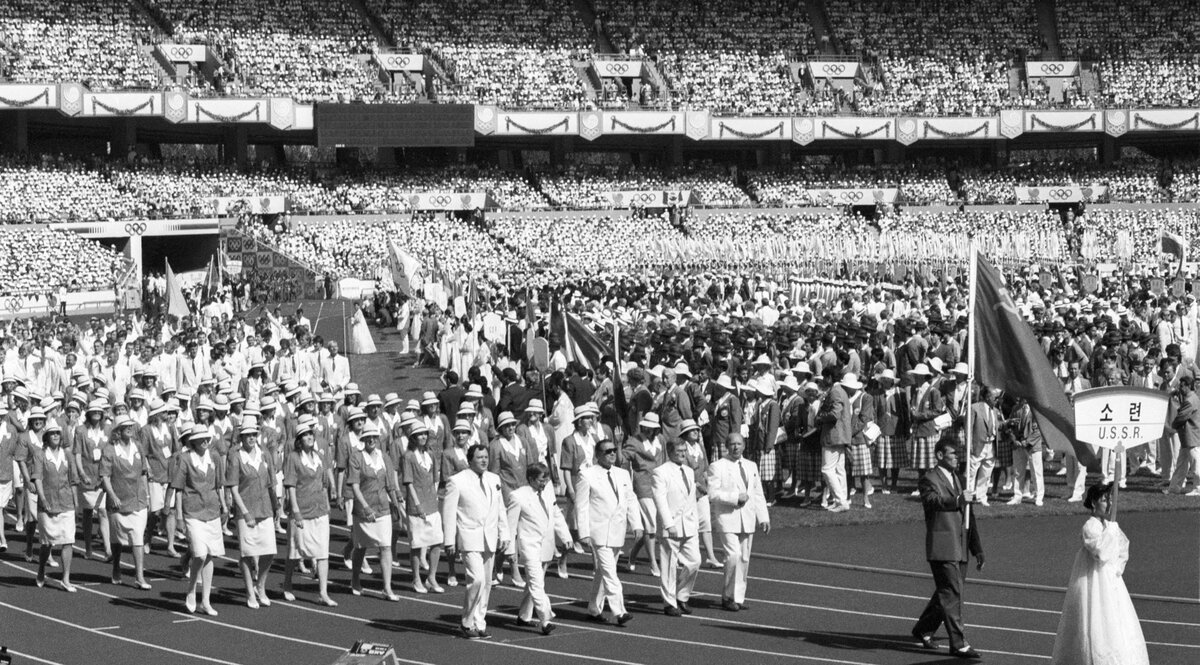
<point>531,322</point>
<point>579,343</point>
<point>619,401</point>
<point>212,278</point>
<point>1008,356</point>
<point>408,274</point>
<point>176,305</point>
<point>1176,246</point>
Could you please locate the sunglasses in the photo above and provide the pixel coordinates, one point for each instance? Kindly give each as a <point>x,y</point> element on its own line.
<point>609,451</point>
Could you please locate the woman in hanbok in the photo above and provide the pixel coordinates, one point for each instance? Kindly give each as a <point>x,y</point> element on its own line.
<point>1099,625</point>
<point>359,341</point>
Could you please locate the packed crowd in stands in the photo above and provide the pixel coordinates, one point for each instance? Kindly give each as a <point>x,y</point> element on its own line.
<point>944,58</point>
<point>921,185</point>
<point>583,187</point>
<point>310,51</point>
<point>97,43</point>
<point>727,57</point>
<point>39,260</point>
<point>516,54</point>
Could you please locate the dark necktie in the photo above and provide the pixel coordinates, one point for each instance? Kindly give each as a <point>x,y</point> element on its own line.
<point>687,486</point>
<point>482,486</point>
<point>613,485</point>
<point>542,501</point>
<point>745,480</point>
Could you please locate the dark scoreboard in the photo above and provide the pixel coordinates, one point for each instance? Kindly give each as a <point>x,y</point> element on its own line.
<point>395,125</point>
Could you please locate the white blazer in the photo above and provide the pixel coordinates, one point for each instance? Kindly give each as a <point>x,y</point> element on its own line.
<point>724,486</point>
<point>599,513</point>
<point>674,501</point>
<point>535,519</point>
<point>473,518</point>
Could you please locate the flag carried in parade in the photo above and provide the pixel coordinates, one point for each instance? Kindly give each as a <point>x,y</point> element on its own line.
<point>1008,357</point>
<point>578,343</point>
<point>1176,246</point>
<point>408,274</point>
<point>176,305</point>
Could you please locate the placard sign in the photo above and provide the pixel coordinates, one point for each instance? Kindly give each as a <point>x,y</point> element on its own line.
<point>1120,416</point>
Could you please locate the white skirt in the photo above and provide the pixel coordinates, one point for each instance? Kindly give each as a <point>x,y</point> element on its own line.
<point>90,499</point>
<point>130,529</point>
<point>6,493</point>
<point>31,506</point>
<point>311,541</point>
<point>373,534</point>
<point>257,540</point>
<point>205,537</point>
<point>649,515</point>
<point>158,497</point>
<point>58,529</point>
<point>425,532</point>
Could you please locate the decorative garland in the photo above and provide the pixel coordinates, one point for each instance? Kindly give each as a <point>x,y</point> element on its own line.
<point>752,135</point>
<point>18,103</point>
<point>886,128</point>
<point>116,111</point>
<point>985,128</point>
<point>1090,122</point>
<point>1138,121</point>
<point>228,118</point>
<point>510,123</point>
<point>644,130</point>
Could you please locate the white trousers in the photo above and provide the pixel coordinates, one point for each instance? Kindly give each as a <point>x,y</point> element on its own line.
<point>1024,459</point>
<point>1114,465</point>
<point>1076,476</point>
<point>833,471</point>
<point>479,588</point>
<point>1188,464</point>
<point>737,564</point>
<point>606,585</point>
<point>1168,454</point>
<point>675,554</point>
<point>535,594</point>
<point>979,470</point>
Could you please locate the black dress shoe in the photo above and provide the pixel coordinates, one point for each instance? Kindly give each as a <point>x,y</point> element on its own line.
<point>729,606</point>
<point>683,608</point>
<point>672,611</point>
<point>624,619</point>
<point>597,618</point>
<point>965,652</point>
<point>548,628</point>
<point>526,624</point>
<point>743,606</point>
<point>925,640</point>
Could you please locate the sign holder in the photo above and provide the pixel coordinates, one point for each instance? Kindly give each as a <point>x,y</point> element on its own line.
<point>1119,417</point>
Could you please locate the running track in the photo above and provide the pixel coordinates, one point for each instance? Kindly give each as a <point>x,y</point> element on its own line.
<point>836,595</point>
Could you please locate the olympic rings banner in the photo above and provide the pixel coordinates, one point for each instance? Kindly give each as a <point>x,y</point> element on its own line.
<point>832,70</point>
<point>830,197</point>
<point>400,62</point>
<point>618,68</point>
<point>184,53</point>
<point>258,205</point>
<point>450,201</point>
<point>1052,69</point>
<point>651,198</point>
<point>1063,194</point>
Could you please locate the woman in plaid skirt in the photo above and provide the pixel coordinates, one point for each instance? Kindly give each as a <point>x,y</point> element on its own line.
<point>892,415</point>
<point>861,468</point>
<point>793,414</point>
<point>808,465</point>
<point>927,404</point>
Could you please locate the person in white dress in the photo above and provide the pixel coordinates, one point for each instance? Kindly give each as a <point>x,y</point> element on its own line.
<point>359,341</point>
<point>1099,625</point>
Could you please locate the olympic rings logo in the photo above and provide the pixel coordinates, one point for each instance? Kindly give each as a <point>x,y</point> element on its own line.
<point>135,228</point>
<point>400,61</point>
<point>440,200</point>
<point>834,69</point>
<point>181,52</point>
<point>1061,193</point>
<point>1052,67</point>
<point>14,304</point>
<point>646,197</point>
<point>852,195</point>
<point>616,67</point>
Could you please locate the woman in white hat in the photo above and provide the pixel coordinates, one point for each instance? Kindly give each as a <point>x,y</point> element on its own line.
<point>927,404</point>
<point>88,448</point>
<point>54,480</point>
<point>160,442</point>
<point>371,477</point>
<point>250,477</point>
<point>454,460</point>
<point>508,457</point>
<point>196,477</point>
<point>643,453</point>
<point>861,464</point>
<point>892,415</point>
<point>123,472</point>
<point>422,473</point>
<point>308,481</point>
<point>533,429</point>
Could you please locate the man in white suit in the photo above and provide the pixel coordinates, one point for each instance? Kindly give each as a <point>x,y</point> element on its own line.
<point>605,506</point>
<point>738,508</point>
<point>475,523</point>
<point>674,487</point>
<point>335,369</point>
<point>536,520</point>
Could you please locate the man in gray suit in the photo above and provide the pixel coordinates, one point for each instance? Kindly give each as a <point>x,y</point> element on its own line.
<point>950,532</point>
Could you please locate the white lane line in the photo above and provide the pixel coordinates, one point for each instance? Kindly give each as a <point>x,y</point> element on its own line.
<point>35,659</point>
<point>108,628</point>
<point>984,582</point>
<point>71,624</point>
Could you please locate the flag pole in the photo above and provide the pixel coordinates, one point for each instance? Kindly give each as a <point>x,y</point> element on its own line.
<point>971,321</point>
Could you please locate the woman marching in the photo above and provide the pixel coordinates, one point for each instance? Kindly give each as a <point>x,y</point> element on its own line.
<point>308,481</point>
<point>196,475</point>
<point>124,474</point>
<point>54,480</point>
<point>250,477</point>
<point>371,478</point>
<point>422,475</point>
<point>453,460</point>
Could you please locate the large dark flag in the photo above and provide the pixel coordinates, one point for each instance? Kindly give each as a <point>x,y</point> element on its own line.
<point>1176,246</point>
<point>1009,357</point>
